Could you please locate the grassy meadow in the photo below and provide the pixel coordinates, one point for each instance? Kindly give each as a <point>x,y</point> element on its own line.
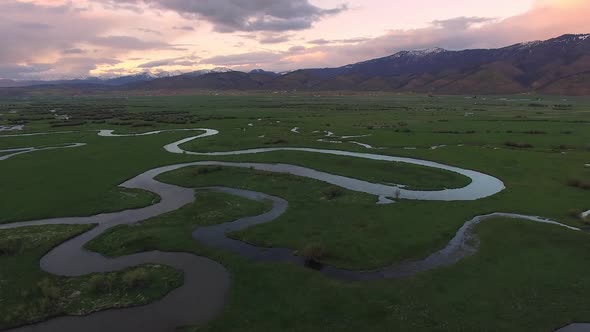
<point>525,277</point>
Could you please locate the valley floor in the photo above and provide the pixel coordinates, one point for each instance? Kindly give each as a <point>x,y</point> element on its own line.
<point>520,276</point>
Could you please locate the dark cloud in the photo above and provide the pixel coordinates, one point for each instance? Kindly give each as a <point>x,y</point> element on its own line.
<point>146,30</point>
<point>268,37</point>
<point>30,31</point>
<point>352,40</point>
<point>22,71</point>
<point>128,43</point>
<point>274,39</point>
<point>296,49</point>
<point>71,67</point>
<point>338,41</point>
<point>188,61</point>
<point>184,27</point>
<point>461,23</point>
<point>51,33</point>
<point>320,42</point>
<point>251,15</point>
<point>253,59</point>
<point>34,25</point>
<point>74,51</point>
<point>68,68</point>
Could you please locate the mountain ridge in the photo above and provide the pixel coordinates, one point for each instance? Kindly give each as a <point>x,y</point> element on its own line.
<point>558,65</point>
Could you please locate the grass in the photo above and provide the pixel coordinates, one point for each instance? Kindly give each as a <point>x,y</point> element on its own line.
<point>173,231</point>
<point>527,277</point>
<point>29,295</point>
<point>113,200</point>
<point>520,263</point>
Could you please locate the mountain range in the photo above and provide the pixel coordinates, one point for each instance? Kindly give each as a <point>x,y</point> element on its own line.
<point>556,66</point>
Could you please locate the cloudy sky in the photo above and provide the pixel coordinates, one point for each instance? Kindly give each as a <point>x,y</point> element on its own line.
<point>50,39</point>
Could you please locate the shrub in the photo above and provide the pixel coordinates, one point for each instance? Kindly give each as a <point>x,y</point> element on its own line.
<point>208,169</point>
<point>403,130</point>
<point>454,132</point>
<point>49,289</point>
<point>535,132</point>
<point>537,105</point>
<point>142,124</point>
<point>137,278</point>
<point>313,252</point>
<point>518,145</point>
<point>575,213</point>
<point>276,141</point>
<point>577,183</point>
<point>99,283</point>
<point>11,247</point>
<point>564,147</point>
<point>67,124</point>
<point>332,192</point>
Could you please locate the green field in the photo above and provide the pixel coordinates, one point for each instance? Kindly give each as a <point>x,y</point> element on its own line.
<point>525,277</point>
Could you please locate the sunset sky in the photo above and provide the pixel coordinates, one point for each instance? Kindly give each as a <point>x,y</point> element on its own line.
<point>51,39</point>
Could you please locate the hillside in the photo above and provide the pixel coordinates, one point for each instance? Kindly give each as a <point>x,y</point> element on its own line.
<point>555,66</point>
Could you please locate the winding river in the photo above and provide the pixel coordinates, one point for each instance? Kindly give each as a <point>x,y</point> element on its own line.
<point>9,153</point>
<point>206,282</point>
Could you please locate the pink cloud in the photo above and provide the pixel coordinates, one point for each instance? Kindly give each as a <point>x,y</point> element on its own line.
<point>39,36</point>
<point>548,19</point>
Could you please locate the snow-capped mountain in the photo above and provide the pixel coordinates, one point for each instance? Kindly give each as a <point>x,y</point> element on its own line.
<point>207,71</point>
<point>557,66</point>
